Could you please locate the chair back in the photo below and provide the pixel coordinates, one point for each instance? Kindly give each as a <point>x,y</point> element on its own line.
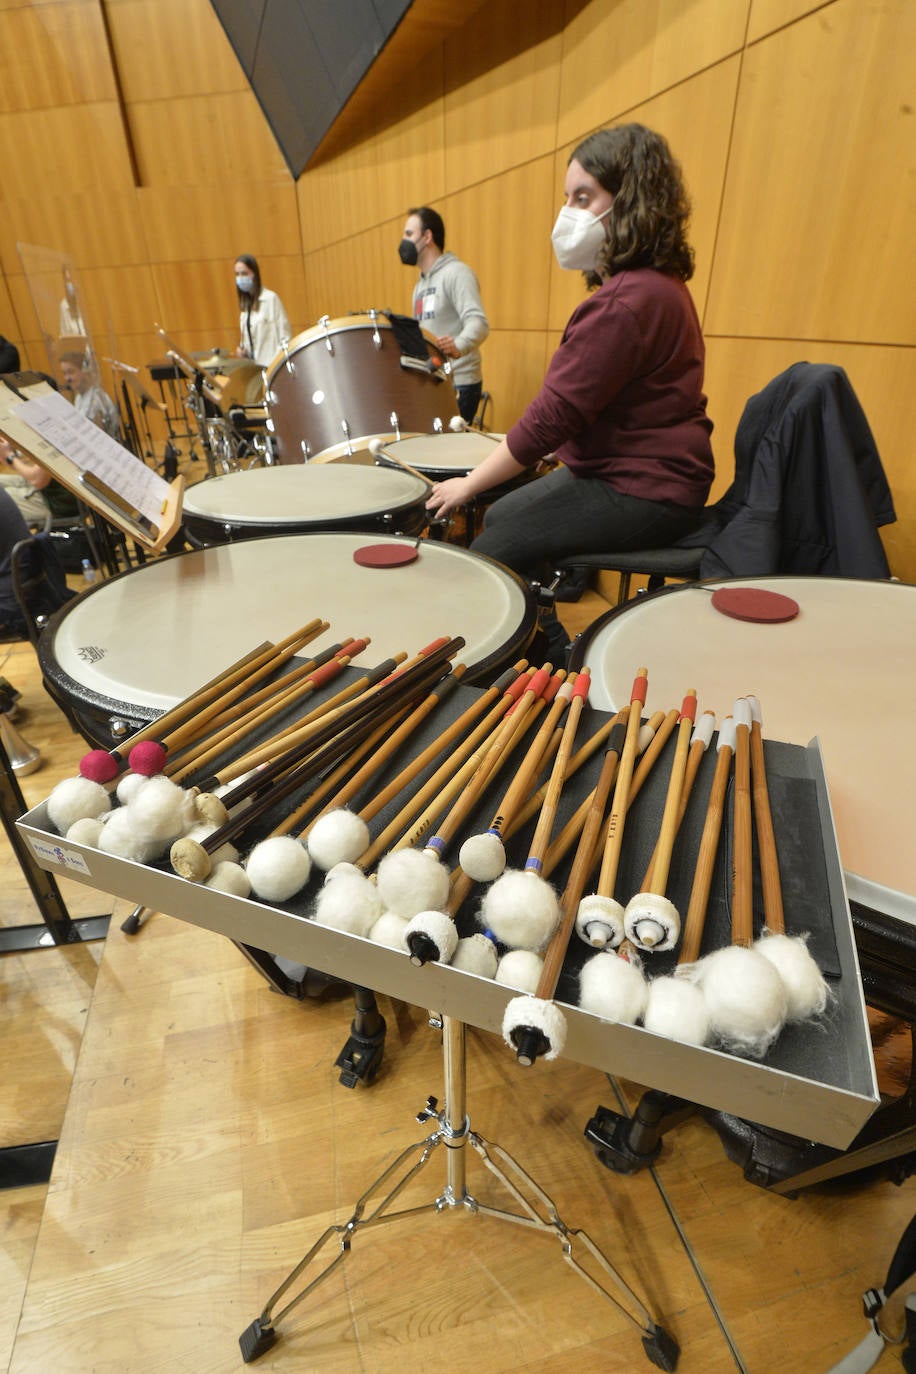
<point>39,581</point>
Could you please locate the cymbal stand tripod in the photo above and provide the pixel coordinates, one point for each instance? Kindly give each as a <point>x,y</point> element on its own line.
<point>454,1132</point>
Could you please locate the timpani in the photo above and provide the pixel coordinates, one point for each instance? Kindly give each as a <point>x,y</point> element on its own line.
<point>132,647</point>
<point>305,499</point>
<point>843,670</point>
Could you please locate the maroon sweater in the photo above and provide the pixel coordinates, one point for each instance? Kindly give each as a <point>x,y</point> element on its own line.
<point>623,396</point>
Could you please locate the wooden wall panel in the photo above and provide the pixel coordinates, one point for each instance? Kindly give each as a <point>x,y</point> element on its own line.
<point>172,48</point>
<point>619,53</point>
<point>71,148</point>
<point>738,368</point>
<point>93,230</point>
<point>401,164</point>
<point>695,119</point>
<point>202,139</point>
<point>501,96</point>
<point>185,223</point>
<point>820,197</point>
<point>56,55</point>
<point>514,362</point>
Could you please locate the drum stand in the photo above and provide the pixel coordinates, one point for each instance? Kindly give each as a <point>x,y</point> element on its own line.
<point>453,1131</point>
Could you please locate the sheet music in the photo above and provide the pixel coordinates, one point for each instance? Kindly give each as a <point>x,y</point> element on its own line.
<point>91,450</point>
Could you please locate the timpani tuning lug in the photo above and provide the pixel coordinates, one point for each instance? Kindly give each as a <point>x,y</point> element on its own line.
<point>376,336</point>
<point>118,728</point>
<point>290,365</point>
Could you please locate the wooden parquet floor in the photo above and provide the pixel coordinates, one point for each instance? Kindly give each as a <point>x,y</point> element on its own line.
<point>206,1143</point>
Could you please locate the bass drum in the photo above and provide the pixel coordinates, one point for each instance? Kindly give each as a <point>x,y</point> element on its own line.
<point>132,647</point>
<point>301,500</point>
<point>345,382</point>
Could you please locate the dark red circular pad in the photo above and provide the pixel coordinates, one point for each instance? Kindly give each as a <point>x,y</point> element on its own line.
<point>754,603</point>
<point>385,555</point>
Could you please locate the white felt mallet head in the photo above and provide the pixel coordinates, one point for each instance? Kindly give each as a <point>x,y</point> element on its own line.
<point>411,880</point>
<point>339,836</point>
<point>128,786</point>
<point>520,968</point>
<point>350,902</point>
<point>613,988</point>
<point>390,930</point>
<point>745,997</point>
<point>119,837</point>
<point>806,987</point>
<point>651,921</point>
<point>432,938</point>
<point>73,799</point>
<point>278,868</point>
<point>599,921</point>
<point>534,1028</point>
<point>521,909</point>
<point>483,857</point>
<point>676,1008</point>
<point>160,810</point>
<point>476,954</point>
<point>86,831</point>
<point>229,876</point>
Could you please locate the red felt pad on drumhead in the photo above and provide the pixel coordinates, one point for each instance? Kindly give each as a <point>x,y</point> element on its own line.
<point>754,603</point>
<point>385,555</point>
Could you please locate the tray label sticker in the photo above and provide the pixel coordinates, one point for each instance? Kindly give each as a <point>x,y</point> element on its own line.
<point>53,853</point>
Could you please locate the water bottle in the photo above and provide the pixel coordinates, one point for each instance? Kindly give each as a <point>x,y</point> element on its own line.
<point>90,574</point>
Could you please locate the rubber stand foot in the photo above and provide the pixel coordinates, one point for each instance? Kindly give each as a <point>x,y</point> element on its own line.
<point>661,1348</point>
<point>255,1340</point>
<point>361,1058</point>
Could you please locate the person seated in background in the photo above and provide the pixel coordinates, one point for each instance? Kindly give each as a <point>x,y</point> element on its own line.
<point>9,355</point>
<point>622,406</point>
<point>263,324</point>
<point>89,398</point>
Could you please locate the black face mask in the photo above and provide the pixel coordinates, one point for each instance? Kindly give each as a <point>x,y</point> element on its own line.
<point>407,252</point>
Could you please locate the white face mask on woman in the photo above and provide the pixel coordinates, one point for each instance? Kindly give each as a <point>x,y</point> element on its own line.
<point>578,237</point>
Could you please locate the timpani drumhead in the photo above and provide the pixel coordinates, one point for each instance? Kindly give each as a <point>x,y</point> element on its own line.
<point>440,456</point>
<point>137,644</point>
<point>843,670</point>
<point>279,500</point>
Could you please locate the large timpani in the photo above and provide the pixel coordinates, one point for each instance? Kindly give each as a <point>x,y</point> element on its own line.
<point>303,499</point>
<point>843,670</point>
<point>440,456</point>
<point>132,647</point>
<point>336,386</point>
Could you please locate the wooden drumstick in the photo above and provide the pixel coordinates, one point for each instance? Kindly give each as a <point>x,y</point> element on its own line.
<point>699,743</point>
<point>377,447</point>
<point>773,913</point>
<point>709,844</point>
<point>742,857</point>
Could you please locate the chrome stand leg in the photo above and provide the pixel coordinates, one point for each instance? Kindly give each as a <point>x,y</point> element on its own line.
<point>455,1134</point>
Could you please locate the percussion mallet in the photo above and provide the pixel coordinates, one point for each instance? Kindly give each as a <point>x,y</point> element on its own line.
<point>599,920</point>
<point>520,909</point>
<point>699,743</point>
<point>651,920</point>
<point>676,1007</point>
<point>377,447</point>
<point>745,996</point>
<point>499,699</point>
<point>805,985</point>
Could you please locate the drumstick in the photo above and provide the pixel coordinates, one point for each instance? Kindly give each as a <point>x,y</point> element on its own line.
<point>742,857</point>
<point>533,1026</point>
<point>699,743</point>
<point>600,916</point>
<point>766,839</point>
<point>651,920</point>
<point>377,447</point>
<point>709,844</point>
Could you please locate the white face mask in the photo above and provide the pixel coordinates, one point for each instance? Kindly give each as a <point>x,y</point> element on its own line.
<point>578,236</point>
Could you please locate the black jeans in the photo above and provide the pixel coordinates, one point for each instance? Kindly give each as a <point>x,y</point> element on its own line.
<point>468,400</point>
<point>559,515</point>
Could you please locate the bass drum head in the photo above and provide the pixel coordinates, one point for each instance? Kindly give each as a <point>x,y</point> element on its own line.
<point>132,647</point>
<point>286,500</point>
<point>337,385</point>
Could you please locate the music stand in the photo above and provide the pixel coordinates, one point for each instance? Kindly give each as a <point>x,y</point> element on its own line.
<point>454,1132</point>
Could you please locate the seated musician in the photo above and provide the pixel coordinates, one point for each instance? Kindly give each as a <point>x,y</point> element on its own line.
<point>90,399</point>
<point>622,405</point>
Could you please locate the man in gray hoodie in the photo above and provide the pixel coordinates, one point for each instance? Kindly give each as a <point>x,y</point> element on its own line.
<point>446,303</point>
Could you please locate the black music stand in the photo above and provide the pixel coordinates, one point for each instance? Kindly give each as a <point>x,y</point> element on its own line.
<point>454,1132</point>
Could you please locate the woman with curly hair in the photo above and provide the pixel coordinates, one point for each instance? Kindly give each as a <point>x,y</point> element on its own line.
<point>622,407</point>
